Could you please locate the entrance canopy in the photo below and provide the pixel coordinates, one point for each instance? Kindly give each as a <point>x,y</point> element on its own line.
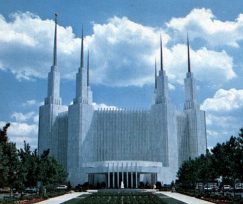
<point>129,174</point>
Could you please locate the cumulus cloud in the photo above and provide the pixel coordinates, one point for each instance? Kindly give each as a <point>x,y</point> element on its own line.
<point>223,114</point>
<point>26,46</point>
<point>207,65</point>
<point>23,117</point>
<point>129,62</point>
<point>221,125</point>
<point>224,100</point>
<point>202,23</point>
<point>122,52</point>
<point>20,132</point>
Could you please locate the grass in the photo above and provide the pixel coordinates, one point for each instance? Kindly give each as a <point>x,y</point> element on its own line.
<point>123,198</point>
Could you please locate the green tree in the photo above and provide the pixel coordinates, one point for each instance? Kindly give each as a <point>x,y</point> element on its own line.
<point>3,134</point>
<point>23,168</point>
<point>228,159</point>
<point>29,164</point>
<point>49,171</point>
<point>225,160</point>
<point>187,174</point>
<point>10,170</point>
<point>40,168</point>
<point>3,167</point>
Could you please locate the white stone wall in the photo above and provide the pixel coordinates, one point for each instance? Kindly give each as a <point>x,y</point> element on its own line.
<point>62,131</point>
<point>190,94</point>
<point>201,133</point>
<point>172,143</point>
<point>79,120</point>
<point>159,133</point>
<point>82,137</point>
<point>182,138</point>
<point>162,87</point>
<point>195,135</point>
<point>196,132</point>
<point>47,136</point>
<point>83,92</point>
<point>119,135</point>
<point>54,85</point>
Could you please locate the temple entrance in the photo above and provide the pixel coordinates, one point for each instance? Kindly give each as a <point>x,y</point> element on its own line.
<point>115,179</point>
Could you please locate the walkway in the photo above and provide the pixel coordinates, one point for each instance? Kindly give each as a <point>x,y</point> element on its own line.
<point>183,198</point>
<point>63,198</point>
<point>177,196</point>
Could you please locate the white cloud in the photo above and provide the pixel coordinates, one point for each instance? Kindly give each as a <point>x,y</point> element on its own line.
<point>201,23</point>
<point>20,132</point>
<point>122,52</point>
<point>207,65</point>
<point>222,120</point>
<point>223,114</point>
<point>129,62</point>
<point>26,46</point>
<point>22,117</point>
<point>32,103</point>
<point>224,100</point>
<point>104,106</point>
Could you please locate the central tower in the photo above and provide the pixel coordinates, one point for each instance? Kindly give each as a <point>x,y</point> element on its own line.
<point>191,123</point>
<point>163,122</point>
<point>80,115</point>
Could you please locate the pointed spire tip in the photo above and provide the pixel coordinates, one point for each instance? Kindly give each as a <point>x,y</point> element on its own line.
<point>82,50</point>
<point>161,54</point>
<point>188,55</point>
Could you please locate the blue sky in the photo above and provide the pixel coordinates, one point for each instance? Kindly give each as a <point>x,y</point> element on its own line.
<point>123,39</point>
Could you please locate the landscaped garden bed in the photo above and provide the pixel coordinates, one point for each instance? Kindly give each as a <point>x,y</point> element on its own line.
<point>120,197</point>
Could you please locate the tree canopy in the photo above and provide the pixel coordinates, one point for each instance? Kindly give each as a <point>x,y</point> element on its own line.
<point>223,161</point>
<point>24,168</point>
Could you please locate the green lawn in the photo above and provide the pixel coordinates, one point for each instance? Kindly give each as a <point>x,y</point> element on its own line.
<point>123,198</point>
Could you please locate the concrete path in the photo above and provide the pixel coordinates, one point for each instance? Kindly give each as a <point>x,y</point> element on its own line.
<point>177,196</point>
<point>63,198</point>
<point>183,198</point>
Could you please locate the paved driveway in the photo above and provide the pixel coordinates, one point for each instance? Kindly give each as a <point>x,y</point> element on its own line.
<point>184,198</point>
<point>63,198</point>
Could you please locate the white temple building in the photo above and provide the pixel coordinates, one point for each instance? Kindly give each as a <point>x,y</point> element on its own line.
<point>117,146</point>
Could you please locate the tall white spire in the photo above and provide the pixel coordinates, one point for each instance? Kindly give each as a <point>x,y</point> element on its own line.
<point>190,96</point>
<point>82,50</point>
<point>53,96</point>
<point>82,78</point>
<point>188,55</point>
<point>55,43</point>
<point>161,55</point>
<point>161,80</point>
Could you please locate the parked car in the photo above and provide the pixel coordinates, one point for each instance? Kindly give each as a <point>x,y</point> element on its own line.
<point>62,187</point>
<point>211,187</point>
<point>5,190</point>
<point>207,188</point>
<point>227,187</point>
<point>30,190</point>
<point>239,186</point>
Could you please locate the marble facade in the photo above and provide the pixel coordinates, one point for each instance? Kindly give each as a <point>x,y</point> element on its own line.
<point>120,145</point>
